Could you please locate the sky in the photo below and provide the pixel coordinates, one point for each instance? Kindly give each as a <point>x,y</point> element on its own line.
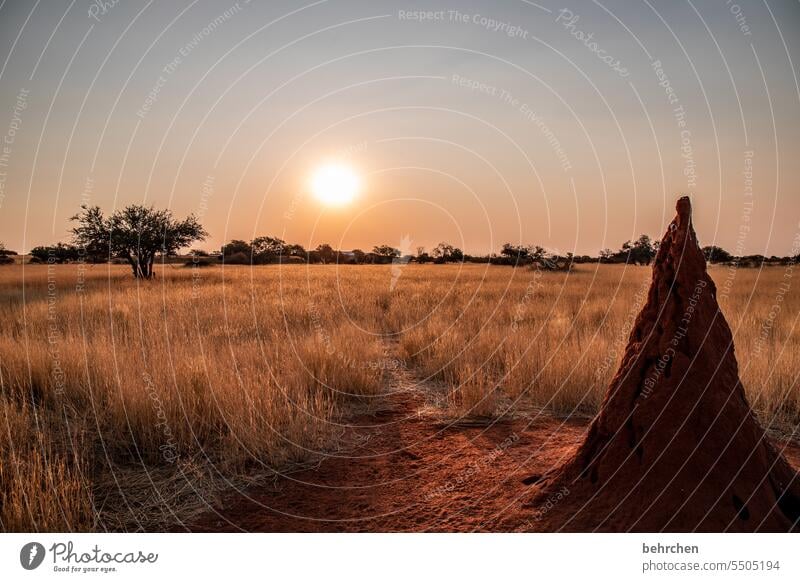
<point>572,125</point>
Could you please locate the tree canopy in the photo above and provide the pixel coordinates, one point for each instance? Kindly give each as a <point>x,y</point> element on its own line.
<point>58,253</point>
<point>640,252</point>
<point>136,233</point>
<point>715,254</point>
<point>447,253</point>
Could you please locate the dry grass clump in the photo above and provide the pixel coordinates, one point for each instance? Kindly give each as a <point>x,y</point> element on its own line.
<point>44,486</point>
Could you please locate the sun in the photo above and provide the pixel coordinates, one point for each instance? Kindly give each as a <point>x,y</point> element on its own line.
<point>335,184</point>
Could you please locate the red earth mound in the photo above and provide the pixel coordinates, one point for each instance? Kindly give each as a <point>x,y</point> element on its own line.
<point>675,446</point>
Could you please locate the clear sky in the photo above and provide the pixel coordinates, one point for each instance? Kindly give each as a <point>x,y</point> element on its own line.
<point>572,125</point>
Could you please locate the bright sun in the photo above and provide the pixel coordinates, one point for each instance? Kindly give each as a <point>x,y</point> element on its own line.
<point>335,184</point>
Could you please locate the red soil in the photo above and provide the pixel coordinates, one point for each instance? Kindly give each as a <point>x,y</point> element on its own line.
<point>413,474</point>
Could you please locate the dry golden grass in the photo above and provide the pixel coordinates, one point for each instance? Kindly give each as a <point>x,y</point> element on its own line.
<point>554,340</point>
<point>113,392</point>
<point>202,364</point>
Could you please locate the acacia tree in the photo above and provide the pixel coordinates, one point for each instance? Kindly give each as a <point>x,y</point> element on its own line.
<point>606,256</point>
<point>268,249</point>
<point>641,251</point>
<point>325,253</point>
<point>521,254</point>
<point>447,253</point>
<point>386,251</point>
<point>236,246</point>
<point>136,233</point>
<point>296,251</point>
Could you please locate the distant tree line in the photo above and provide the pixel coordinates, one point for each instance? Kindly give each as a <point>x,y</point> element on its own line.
<point>139,235</point>
<point>717,255</point>
<point>271,250</point>
<point>267,250</point>
<point>641,251</point>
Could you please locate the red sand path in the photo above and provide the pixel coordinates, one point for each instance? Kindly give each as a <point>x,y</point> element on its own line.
<point>413,472</point>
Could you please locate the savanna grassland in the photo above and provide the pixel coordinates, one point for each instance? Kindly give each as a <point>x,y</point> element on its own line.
<point>129,404</point>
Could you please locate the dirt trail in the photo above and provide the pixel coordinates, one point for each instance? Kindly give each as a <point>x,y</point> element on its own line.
<point>411,471</point>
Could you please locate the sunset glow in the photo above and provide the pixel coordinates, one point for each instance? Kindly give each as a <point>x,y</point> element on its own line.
<point>335,184</point>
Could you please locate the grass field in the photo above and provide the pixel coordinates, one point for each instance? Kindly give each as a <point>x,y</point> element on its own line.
<point>121,400</point>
